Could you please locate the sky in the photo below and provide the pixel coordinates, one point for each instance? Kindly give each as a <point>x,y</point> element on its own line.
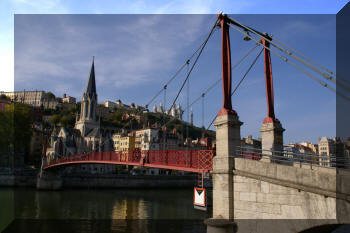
<point>142,45</point>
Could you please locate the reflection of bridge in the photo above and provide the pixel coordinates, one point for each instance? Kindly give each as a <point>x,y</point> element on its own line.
<point>198,161</point>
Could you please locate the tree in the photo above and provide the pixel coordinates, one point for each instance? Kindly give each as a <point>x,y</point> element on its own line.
<point>54,119</point>
<point>4,97</point>
<point>67,121</point>
<point>50,96</point>
<point>15,129</point>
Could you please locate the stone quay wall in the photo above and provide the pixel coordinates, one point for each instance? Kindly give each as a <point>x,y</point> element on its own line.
<point>104,181</point>
<point>272,191</point>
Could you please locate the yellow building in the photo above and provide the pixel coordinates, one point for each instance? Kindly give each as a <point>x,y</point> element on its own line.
<point>116,142</point>
<point>127,143</point>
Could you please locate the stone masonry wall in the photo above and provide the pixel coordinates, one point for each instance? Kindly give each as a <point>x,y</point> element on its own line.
<point>264,190</point>
<point>256,199</point>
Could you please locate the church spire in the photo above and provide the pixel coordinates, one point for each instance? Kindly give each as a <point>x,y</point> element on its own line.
<point>91,84</point>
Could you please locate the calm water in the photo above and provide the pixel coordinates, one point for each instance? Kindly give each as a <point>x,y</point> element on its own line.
<point>98,211</point>
<point>105,210</point>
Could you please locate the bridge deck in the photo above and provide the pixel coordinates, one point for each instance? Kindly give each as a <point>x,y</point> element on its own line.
<point>183,160</point>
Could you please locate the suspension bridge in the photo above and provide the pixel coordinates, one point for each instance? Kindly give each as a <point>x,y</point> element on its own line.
<point>265,184</point>
<point>201,160</point>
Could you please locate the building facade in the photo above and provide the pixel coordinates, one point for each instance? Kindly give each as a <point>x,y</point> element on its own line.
<point>120,105</point>
<point>32,98</point>
<point>68,99</point>
<point>326,148</point>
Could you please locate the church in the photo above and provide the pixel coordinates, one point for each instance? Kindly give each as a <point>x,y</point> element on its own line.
<point>87,135</point>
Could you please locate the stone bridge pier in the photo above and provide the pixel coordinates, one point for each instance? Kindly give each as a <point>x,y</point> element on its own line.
<point>48,180</point>
<point>263,196</point>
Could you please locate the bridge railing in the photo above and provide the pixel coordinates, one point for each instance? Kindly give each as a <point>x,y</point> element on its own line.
<point>293,158</point>
<point>191,160</point>
<point>196,159</point>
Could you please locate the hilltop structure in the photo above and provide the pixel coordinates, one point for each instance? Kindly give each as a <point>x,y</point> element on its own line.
<point>176,112</point>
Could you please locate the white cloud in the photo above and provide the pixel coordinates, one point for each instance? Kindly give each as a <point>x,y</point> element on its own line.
<point>136,52</point>
<point>38,6</point>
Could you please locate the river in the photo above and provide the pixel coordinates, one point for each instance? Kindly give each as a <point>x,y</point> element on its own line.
<point>103,210</point>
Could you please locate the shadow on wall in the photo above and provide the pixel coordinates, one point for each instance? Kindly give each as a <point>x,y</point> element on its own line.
<point>329,228</point>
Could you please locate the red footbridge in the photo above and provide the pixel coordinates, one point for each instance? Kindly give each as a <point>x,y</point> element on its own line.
<point>198,161</point>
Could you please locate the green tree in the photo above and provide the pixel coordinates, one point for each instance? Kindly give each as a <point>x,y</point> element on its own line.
<point>49,96</point>
<point>54,119</point>
<point>15,129</point>
<point>4,97</point>
<point>67,121</point>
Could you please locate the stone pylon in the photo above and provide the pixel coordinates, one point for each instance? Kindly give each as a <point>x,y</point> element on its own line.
<point>228,140</point>
<point>272,139</point>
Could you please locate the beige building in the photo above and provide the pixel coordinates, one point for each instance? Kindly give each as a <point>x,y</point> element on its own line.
<point>127,143</point>
<point>123,142</point>
<point>120,105</point>
<point>148,139</point>
<point>109,104</point>
<point>68,99</point>
<point>116,142</point>
<point>313,147</point>
<point>32,98</point>
<point>326,148</point>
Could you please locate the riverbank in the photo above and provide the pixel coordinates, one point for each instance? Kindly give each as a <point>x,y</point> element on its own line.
<point>104,181</point>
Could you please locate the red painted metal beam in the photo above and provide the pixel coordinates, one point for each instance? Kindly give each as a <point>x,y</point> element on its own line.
<point>226,66</point>
<point>182,160</point>
<point>268,81</point>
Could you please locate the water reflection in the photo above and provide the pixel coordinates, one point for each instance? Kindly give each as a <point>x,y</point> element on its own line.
<point>106,204</point>
<point>91,211</point>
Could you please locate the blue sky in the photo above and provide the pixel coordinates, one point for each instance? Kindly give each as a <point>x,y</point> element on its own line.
<point>135,54</point>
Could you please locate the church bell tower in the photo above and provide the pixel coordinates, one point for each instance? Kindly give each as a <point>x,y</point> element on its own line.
<point>87,119</point>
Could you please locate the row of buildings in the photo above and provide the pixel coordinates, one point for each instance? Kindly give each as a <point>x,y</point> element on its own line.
<point>120,105</point>
<point>39,99</point>
<point>328,152</point>
<point>152,138</point>
<point>88,135</point>
<point>175,111</point>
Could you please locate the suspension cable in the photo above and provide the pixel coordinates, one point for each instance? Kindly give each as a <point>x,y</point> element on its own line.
<point>216,82</point>
<point>195,62</point>
<point>296,66</point>
<point>187,104</point>
<point>310,60</point>
<point>233,92</point>
<point>164,109</point>
<point>323,74</point>
<point>219,79</point>
<point>177,72</point>
<point>203,95</point>
<point>207,90</point>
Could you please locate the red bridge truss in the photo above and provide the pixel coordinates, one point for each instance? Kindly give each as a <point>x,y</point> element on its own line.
<point>197,161</point>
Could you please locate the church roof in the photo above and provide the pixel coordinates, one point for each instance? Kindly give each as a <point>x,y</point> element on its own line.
<point>91,84</point>
<point>96,132</point>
